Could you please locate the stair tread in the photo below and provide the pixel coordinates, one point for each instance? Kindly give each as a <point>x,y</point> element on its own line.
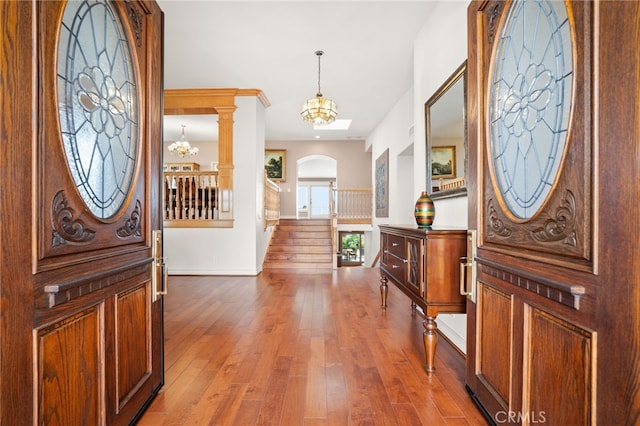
<point>298,265</point>
<point>300,244</point>
<point>323,257</point>
<point>298,234</point>
<point>307,242</point>
<point>302,250</point>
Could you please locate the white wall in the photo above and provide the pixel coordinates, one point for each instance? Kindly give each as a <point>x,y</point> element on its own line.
<point>238,250</point>
<point>395,134</point>
<point>439,49</point>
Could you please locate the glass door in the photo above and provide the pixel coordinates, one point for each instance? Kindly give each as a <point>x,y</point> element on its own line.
<point>319,201</point>
<point>303,202</point>
<point>313,200</point>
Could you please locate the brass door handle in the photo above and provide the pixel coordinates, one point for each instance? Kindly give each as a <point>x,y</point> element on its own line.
<point>463,276</point>
<point>159,272</point>
<point>468,281</point>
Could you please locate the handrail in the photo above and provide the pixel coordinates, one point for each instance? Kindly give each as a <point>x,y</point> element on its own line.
<point>334,226</point>
<point>271,202</point>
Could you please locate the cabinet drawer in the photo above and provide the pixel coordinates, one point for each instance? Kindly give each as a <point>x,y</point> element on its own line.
<point>396,268</point>
<point>395,245</point>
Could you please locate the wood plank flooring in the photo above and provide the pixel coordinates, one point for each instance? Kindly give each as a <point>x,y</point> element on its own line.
<point>290,347</point>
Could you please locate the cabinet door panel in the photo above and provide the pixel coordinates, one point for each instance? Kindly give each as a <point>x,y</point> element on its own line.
<point>415,265</point>
<point>443,257</point>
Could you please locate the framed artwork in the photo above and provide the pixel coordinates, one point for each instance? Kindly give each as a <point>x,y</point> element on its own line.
<point>443,162</point>
<point>275,164</point>
<point>382,185</point>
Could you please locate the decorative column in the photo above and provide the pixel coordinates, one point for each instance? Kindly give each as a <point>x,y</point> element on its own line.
<point>225,160</point>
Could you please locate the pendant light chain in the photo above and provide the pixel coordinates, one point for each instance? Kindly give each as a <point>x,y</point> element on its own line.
<point>319,53</point>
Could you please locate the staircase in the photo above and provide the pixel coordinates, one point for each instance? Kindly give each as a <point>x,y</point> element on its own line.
<point>300,244</point>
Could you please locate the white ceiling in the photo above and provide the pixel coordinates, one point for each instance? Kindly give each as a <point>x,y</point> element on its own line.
<point>366,68</point>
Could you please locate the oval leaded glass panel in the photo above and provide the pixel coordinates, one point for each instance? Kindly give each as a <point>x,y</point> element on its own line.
<point>97,104</point>
<point>530,103</point>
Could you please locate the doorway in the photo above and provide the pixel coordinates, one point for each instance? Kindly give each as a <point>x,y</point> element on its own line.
<point>351,251</point>
<point>313,200</point>
<point>314,176</point>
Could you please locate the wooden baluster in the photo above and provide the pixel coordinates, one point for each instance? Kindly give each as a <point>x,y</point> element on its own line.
<point>181,200</point>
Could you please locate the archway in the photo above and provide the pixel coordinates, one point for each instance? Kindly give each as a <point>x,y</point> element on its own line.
<point>314,176</point>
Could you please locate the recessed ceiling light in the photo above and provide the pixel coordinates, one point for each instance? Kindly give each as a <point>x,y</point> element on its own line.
<point>339,124</point>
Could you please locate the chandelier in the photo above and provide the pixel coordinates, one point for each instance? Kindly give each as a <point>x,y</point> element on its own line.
<point>319,110</point>
<point>182,147</point>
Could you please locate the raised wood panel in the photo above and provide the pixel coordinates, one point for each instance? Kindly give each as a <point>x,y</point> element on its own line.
<point>494,335</point>
<point>70,370</point>
<point>132,340</point>
<point>446,252</point>
<point>558,356</point>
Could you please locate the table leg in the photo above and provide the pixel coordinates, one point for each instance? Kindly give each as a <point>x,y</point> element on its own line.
<point>430,338</point>
<point>384,288</point>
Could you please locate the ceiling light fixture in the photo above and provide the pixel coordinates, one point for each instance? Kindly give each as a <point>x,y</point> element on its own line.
<point>319,110</point>
<point>183,147</point>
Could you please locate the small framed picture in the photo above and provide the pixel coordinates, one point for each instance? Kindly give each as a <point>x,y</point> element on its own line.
<point>443,162</point>
<point>275,164</point>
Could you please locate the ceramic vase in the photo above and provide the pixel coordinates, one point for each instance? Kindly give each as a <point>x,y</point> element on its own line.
<point>425,211</point>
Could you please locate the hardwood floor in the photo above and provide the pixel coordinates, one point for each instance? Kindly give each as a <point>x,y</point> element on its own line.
<point>290,347</point>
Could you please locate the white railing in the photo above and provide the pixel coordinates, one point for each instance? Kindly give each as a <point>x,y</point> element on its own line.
<point>353,205</point>
<point>190,198</point>
<point>447,185</point>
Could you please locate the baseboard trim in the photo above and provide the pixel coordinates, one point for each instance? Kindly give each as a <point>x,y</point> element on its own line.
<point>453,345</point>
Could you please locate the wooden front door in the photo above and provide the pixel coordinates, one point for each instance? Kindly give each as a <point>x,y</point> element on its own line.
<point>553,135</point>
<point>81,268</point>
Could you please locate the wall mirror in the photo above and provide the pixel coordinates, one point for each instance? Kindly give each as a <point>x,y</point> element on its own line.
<point>446,137</point>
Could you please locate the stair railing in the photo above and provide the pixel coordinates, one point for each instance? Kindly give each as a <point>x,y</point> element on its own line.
<point>353,205</point>
<point>271,202</point>
<point>334,226</point>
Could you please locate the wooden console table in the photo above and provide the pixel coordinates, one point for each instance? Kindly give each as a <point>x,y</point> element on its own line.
<point>425,265</point>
